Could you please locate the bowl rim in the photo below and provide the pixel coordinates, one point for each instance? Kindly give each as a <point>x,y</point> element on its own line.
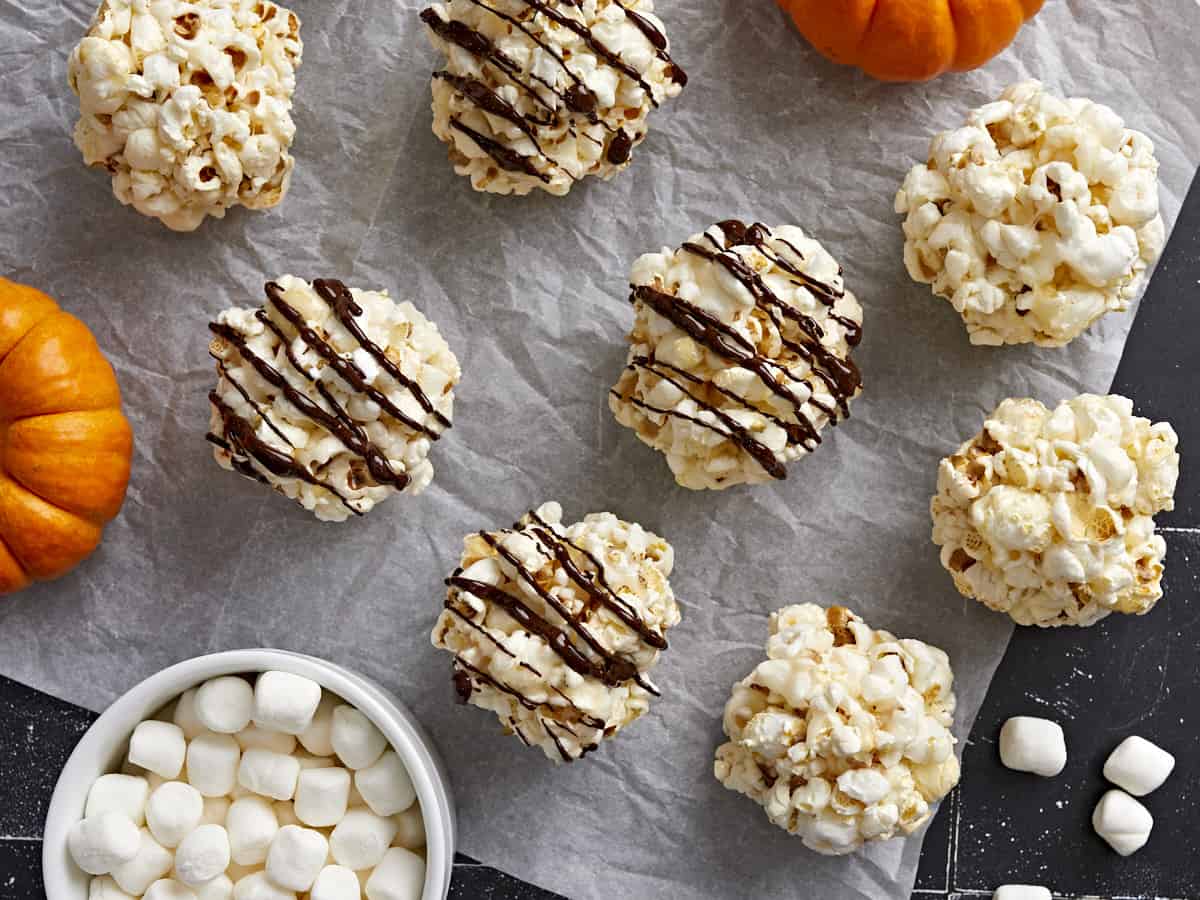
<point>107,737</point>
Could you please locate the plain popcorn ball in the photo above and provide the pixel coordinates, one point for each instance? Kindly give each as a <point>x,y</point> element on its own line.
<point>203,855</point>
<point>270,774</point>
<point>740,353</point>
<point>843,734</point>
<point>296,857</point>
<point>152,862</point>
<point>1035,219</point>
<point>169,889</point>
<point>257,886</point>
<point>333,396</point>
<point>1123,822</point>
<point>101,843</point>
<point>322,796</point>
<point>1034,745</point>
<point>125,794</point>
<point>225,704</point>
<point>385,786</point>
<point>285,702</point>
<point>541,95</point>
<point>565,668</point>
<point>1138,766</point>
<point>212,763</point>
<point>1021,892</point>
<point>361,839</point>
<point>188,104</point>
<point>159,747</point>
<point>336,883</point>
<point>1047,515</point>
<point>252,825</point>
<point>356,741</point>
<point>399,876</point>
<point>173,812</point>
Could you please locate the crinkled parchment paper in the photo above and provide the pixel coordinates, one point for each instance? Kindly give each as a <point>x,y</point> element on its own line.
<point>531,295</point>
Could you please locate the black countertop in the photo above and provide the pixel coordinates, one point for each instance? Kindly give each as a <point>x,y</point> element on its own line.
<point>1124,676</point>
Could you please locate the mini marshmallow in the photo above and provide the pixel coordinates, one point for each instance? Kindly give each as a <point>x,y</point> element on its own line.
<point>258,887</point>
<point>285,702</point>
<point>173,812</point>
<point>399,876</point>
<point>104,888</point>
<point>286,813</point>
<point>99,844</point>
<point>410,828</point>
<point>270,774</point>
<point>315,762</point>
<point>1021,892</point>
<point>296,857</point>
<point>225,704</point>
<point>212,763</point>
<point>251,825</point>
<point>355,740</point>
<point>203,855</point>
<point>255,738</point>
<point>152,862</point>
<point>185,715</point>
<point>236,872</point>
<point>322,795</point>
<point>1028,744</point>
<point>215,810</point>
<point>335,883</point>
<point>159,747</point>
<point>1138,766</point>
<point>169,889</point>
<point>385,786</point>
<point>1123,822</point>
<point>316,737</point>
<point>125,794</point>
<point>220,888</point>
<point>361,839</point>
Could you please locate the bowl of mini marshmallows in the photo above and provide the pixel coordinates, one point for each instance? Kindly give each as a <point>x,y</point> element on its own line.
<point>252,775</point>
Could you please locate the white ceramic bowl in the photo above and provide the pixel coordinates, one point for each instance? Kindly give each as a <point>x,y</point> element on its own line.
<point>103,750</point>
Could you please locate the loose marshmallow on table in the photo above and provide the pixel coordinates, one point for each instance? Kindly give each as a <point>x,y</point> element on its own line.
<point>152,862</point>
<point>169,889</point>
<point>1138,766</point>
<point>125,794</point>
<point>386,786</point>
<point>104,888</point>
<point>285,702</point>
<point>296,857</point>
<point>255,738</point>
<point>322,795</point>
<point>100,843</point>
<point>224,704</point>
<point>173,812</point>
<point>361,839</point>
<point>1123,822</point>
<point>270,774</point>
<point>1029,744</point>
<point>159,747</point>
<point>202,855</point>
<point>399,876</point>
<point>316,738</point>
<point>252,825</point>
<point>357,743</point>
<point>257,886</point>
<point>1021,892</point>
<point>410,828</point>
<point>212,763</point>
<point>336,883</point>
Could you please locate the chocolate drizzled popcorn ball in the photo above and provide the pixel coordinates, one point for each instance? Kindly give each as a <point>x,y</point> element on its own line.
<point>1035,219</point>
<point>740,353</point>
<point>555,628</point>
<point>188,104</point>
<point>842,733</point>
<point>333,396</point>
<point>1047,515</point>
<point>541,93</point>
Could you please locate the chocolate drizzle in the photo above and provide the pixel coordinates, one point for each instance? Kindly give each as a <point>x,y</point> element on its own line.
<point>620,148</point>
<point>506,158</point>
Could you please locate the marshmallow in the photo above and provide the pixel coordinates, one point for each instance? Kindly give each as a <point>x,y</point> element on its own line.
<point>335,883</point>
<point>185,715</point>
<point>152,862</point>
<point>285,702</point>
<point>1123,822</point>
<point>215,810</point>
<point>169,889</point>
<point>399,876</point>
<point>322,795</point>
<point>1021,892</point>
<point>212,763</point>
<point>385,786</point>
<point>220,888</point>
<point>316,737</point>
<point>1029,744</point>
<point>105,888</point>
<point>315,762</point>
<point>225,704</point>
<point>1138,766</point>
<point>125,794</point>
<point>410,828</point>
<point>99,844</point>
<point>173,812</point>
<point>159,747</point>
<point>270,774</point>
<point>286,813</point>
<point>296,857</point>
<point>355,740</point>
<point>203,855</point>
<point>251,825</point>
<point>361,839</point>
<point>255,738</point>
<point>258,887</point>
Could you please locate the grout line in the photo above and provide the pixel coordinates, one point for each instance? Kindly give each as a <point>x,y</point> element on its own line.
<point>15,839</point>
<point>1178,529</point>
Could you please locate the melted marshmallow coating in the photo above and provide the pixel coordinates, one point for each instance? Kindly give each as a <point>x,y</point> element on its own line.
<point>842,733</point>
<point>1048,515</point>
<point>1035,219</point>
<point>601,585</point>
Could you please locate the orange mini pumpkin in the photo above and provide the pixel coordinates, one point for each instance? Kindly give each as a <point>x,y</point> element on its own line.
<point>65,447</point>
<point>910,40</point>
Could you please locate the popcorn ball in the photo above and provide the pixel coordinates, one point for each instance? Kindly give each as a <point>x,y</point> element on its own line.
<point>1035,219</point>
<point>740,353</point>
<point>188,104</point>
<point>541,93</point>
<point>842,733</point>
<point>554,628</point>
<point>1047,515</point>
<point>332,396</point>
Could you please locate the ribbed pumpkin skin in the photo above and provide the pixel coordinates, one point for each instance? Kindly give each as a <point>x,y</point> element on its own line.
<point>65,447</point>
<point>910,40</point>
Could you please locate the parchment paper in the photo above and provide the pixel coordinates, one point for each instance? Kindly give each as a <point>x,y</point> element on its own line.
<point>531,294</point>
